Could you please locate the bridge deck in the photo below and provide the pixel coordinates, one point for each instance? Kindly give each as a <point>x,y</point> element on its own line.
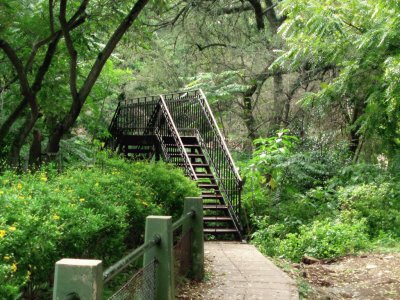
<point>242,272</point>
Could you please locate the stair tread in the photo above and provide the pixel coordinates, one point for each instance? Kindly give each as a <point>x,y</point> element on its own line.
<point>212,196</point>
<point>215,206</point>
<point>216,218</point>
<point>205,175</point>
<point>220,230</point>
<point>195,155</point>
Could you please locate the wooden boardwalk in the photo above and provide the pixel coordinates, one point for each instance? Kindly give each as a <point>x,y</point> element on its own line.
<point>242,272</point>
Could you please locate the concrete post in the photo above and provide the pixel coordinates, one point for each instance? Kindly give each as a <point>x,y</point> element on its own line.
<point>196,224</point>
<point>161,226</point>
<point>78,279</point>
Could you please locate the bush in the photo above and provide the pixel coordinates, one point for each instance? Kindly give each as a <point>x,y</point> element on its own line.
<point>323,239</point>
<point>379,204</point>
<point>95,212</point>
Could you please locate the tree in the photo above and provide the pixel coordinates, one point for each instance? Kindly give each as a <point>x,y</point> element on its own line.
<point>360,39</point>
<point>85,50</point>
<point>227,48</point>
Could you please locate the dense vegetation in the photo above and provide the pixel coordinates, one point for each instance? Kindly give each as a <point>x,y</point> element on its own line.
<point>309,199</point>
<point>96,211</point>
<point>307,93</point>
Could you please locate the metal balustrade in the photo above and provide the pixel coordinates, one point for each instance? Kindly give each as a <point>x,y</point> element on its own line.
<point>173,119</point>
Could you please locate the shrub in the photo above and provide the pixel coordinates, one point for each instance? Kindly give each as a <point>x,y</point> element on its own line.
<point>92,212</point>
<point>322,239</point>
<point>379,204</point>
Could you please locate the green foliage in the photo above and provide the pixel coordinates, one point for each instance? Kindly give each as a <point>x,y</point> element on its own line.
<point>322,239</point>
<point>319,204</point>
<point>265,166</point>
<point>378,204</point>
<point>93,212</point>
<point>284,179</point>
<point>359,39</point>
<point>219,87</point>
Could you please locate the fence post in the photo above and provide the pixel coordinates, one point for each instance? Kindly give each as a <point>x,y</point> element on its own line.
<point>196,224</point>
<point>78,279</point>
<point>161,226</point>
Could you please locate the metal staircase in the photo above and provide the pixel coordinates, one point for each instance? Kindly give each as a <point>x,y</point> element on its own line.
<point>181,129</point>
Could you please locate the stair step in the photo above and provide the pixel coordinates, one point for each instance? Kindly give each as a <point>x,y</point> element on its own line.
<point>220,230</point>
<point>194,155</point>
<point>205,175</point>
<point>191,145</point>
<point>208,185</point>
<point>216,219</point>
<point>200,165</point>
<point>212,197</point>
<point>215,206</point>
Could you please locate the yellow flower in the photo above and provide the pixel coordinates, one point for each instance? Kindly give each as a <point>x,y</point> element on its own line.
<point>6,257</point>
<point>14,267</point>
<point>19,186</point>
<point>55,217</point>
<point>12,228</point>
<point>2,233</point>
<point>43,178</point>
<point>82,200</point>
<point>21,197</point>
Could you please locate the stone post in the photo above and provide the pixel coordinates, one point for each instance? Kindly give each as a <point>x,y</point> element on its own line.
<point>78,279</point>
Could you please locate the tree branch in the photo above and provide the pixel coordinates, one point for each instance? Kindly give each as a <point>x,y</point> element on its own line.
<point>272,17</point>
<point>73,62</point>
<point>235,9</point>
<point>109,48</point>
<point>51,16</point>
<point>201,48</point>
<point>76,107</point>
<point>258,13</point>
<point>37,84</point>
<point>23,80</point>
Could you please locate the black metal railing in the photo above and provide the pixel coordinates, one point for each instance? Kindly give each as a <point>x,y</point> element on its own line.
<point>168,128</point>
<point>191,112</point>
<point>176,116</point>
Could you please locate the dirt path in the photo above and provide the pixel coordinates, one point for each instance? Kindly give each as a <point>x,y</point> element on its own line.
<point>366,277</point>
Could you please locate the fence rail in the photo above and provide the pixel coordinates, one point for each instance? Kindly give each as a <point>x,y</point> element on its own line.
<point>85,279</point>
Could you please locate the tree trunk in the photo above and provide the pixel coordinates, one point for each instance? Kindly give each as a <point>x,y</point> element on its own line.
<point>278,104</point>
<point>248,117</point>
<point>37,84</point>
<point>53,145</point>
<point>13,158</point>
<point>354,135</point>
<point>35,151</point>
<point>12,118</point>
